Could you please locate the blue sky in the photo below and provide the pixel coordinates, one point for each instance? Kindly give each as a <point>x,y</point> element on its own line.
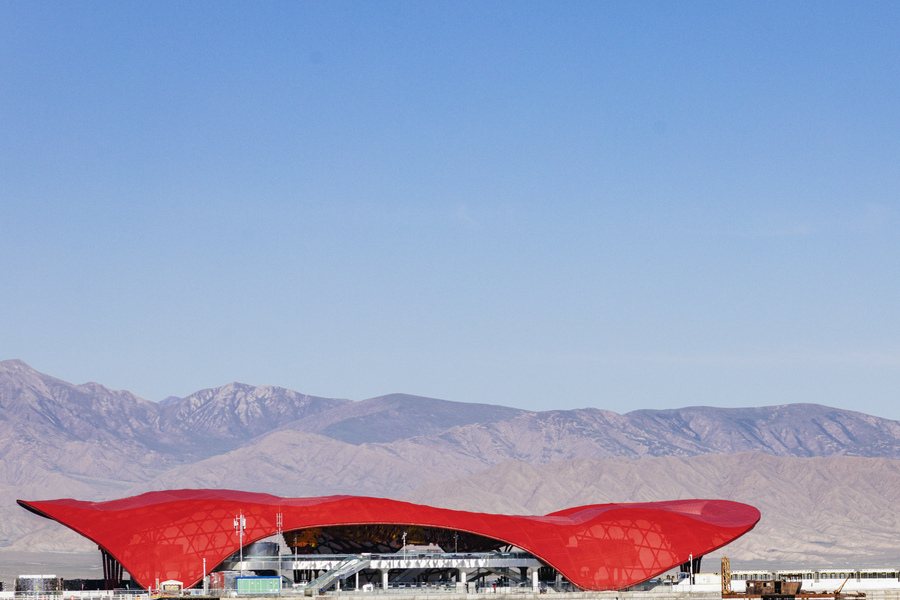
<point>543,205</point>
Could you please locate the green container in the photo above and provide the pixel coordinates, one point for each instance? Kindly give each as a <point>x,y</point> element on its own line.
<point>258,585</point>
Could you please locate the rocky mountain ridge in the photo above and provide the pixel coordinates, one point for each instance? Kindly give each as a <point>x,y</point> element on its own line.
<point>800,430</point>
<point>222,419</point>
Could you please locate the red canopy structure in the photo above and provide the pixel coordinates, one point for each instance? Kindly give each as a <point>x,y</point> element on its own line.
<point>167,535</point>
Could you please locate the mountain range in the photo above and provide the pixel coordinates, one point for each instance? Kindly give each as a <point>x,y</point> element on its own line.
<point>826,480</point>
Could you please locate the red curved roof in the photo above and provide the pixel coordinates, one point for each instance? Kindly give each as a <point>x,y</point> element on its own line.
<point>166,535</point>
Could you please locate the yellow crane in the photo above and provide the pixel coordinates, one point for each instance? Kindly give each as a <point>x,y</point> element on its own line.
<point>837,592</point>
<point>726,577</point>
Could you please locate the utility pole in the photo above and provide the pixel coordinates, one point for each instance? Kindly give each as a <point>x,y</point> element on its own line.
<point>240,523</point>
<point>279,523</point>
<point>691,564</point>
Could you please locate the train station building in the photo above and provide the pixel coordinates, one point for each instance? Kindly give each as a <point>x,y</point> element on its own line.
<point>192,536</point>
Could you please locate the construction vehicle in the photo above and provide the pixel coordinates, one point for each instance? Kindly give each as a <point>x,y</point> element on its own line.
<point>777,589</point>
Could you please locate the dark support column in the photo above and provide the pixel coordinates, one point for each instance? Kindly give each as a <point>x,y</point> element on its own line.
<point>112,570</point>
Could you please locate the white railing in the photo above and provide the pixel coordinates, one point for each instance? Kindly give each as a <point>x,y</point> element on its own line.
<point>81,595</point>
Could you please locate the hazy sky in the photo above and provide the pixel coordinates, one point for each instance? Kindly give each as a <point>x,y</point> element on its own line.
<point>543,205</point>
